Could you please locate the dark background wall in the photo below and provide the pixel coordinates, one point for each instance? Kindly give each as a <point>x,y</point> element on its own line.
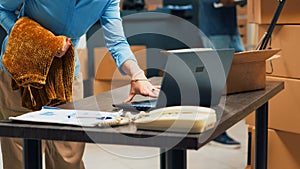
<point>2,35</point>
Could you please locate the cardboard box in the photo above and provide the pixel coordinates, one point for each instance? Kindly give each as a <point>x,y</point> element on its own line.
<point>153,4</point>
<point>251,146</point>
<point>250,119</point>
<point>101,86</point>
<point>284,109</point>
<point>242,26</point>
<point>241,10</point>
<point>285,37</point>
<point>283,149</point>
<point>248,70</point>
<point>105,67</point>
<point>262,11</point>
<point>83,59</point>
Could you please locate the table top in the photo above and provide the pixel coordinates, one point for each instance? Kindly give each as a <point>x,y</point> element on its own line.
<point>236,107</point>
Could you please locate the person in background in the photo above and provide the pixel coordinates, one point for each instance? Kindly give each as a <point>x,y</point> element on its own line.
<point>218,21</point>
<point>71,18</point>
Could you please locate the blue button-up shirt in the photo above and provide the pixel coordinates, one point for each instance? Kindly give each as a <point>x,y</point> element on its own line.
<point>71,18</point>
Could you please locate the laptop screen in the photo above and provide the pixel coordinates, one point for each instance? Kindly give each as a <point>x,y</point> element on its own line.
<point>194,77</point>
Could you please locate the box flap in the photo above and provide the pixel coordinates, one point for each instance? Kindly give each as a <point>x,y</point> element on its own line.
<point>253,56</point>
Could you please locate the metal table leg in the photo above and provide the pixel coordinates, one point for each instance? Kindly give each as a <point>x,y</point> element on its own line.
<point>32,154</point>
<point>261,137</point>
<point>173,159</point>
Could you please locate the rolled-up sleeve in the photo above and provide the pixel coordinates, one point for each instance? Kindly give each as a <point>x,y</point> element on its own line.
<point>115,39</point>
<point>8,16</point>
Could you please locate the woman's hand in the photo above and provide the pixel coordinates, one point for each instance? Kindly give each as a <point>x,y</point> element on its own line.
<point>65,47</point>
<point>139,82</point>
<point>142,87</point>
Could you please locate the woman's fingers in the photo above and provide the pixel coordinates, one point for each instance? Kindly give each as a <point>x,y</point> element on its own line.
<point>143,88</point>
<point>129,98</point>
<point>65,47</point>
<point>157,86</point>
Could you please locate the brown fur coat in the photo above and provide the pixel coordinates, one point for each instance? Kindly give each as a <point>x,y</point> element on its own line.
<point>30,59</point>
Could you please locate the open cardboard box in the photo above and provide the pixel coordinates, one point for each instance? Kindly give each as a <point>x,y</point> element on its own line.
<point>248,71</point>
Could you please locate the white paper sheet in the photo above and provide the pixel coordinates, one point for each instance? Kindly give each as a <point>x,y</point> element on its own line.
<point>85,118</point>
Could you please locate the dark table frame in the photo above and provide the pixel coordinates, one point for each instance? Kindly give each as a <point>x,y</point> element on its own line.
<point>237,107</point>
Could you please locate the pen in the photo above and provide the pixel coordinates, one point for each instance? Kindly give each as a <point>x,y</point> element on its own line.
<point>90,116</point>
<point>96,117</point>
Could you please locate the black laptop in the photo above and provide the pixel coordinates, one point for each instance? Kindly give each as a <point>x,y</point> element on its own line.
<point>194,77</point>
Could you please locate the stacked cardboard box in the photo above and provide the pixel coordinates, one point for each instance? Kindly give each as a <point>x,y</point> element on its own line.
<point>83,59</point>
<point>283,149</point>
<point>284,110</point>
<point>285,37</point>
<point>153,4</point>
<point>242,23</point>
<point>107,75</point>
<point>262,11</point>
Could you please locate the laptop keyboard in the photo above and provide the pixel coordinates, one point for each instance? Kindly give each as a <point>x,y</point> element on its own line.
<point>137,105</point>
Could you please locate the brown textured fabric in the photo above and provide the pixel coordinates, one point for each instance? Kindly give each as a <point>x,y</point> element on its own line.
<point>30,59</point>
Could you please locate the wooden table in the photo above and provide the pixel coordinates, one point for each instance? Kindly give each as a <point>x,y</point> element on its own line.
<point>173,145</point>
